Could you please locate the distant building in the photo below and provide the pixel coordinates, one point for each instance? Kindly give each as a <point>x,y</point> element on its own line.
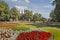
<point>21,8</point>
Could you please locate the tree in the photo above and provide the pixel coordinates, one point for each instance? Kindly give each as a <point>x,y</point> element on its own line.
<point>22,16</point>
<point>57,10</point>
<point>36,17</point>
<point>44,20</point>
<point>53,16</point>
<point>28,15</point>
<point>4,11</point>
<point>2,16</point>
<point>14,13</point>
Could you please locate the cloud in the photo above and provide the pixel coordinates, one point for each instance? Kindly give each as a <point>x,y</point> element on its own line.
<point>26,1</point>
<point>48,6</point>
<point>21,7</point>
<point>13,0</point>
<point>45,14</point>
<point>52,1</point>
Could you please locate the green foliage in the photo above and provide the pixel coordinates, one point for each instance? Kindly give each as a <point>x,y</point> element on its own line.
<point>28,15</point>
<point>4,11</point>
<point>3,6</point>
<point>36,17</point>
<point>53,16</point>
<point>23,26</point>
<point>6,14</point>
<point>14,14</point>
<point>44,20</point>
<point>57,10</point>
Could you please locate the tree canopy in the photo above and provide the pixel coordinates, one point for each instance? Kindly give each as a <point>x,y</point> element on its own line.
<point>4,10</point>
<point>57,10</point>
<point>14,14</point>
<point>36,17</point>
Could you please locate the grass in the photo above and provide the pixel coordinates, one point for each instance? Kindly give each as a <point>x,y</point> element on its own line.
<point>55,32</point>
<point>23,26</point>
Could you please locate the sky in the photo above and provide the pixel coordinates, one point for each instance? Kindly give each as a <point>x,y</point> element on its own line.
<point>43,7</point>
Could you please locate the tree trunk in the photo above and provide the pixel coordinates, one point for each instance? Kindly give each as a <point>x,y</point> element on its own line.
<point>29,19</point>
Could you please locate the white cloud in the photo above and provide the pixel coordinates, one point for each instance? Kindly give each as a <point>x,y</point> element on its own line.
<point>48,6</point>
<point>21,7</point>
<point>13,0</point>
<point>26,1</point>
<point>52,1</point>
<point>45,14</point>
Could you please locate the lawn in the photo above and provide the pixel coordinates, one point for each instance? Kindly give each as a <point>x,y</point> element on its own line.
<point>55,32</point>
<point>27,26</point>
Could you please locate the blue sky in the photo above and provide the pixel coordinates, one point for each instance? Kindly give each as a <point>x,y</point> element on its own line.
<point>44,7</point>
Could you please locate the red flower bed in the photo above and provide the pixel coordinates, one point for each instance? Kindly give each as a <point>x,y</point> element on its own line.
<point>34,35</point>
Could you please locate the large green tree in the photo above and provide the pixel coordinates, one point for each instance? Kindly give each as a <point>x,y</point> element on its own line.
<point>28,15</point>
<point>57,10</point>
<point>36,17</point>
<point>4,11</point>
<point>53,16</point>
<point>14,13</point>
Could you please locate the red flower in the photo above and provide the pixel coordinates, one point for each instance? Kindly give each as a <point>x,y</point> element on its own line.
<point>34,35</point>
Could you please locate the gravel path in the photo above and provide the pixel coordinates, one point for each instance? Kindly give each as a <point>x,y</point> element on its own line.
<point>8,34</point>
